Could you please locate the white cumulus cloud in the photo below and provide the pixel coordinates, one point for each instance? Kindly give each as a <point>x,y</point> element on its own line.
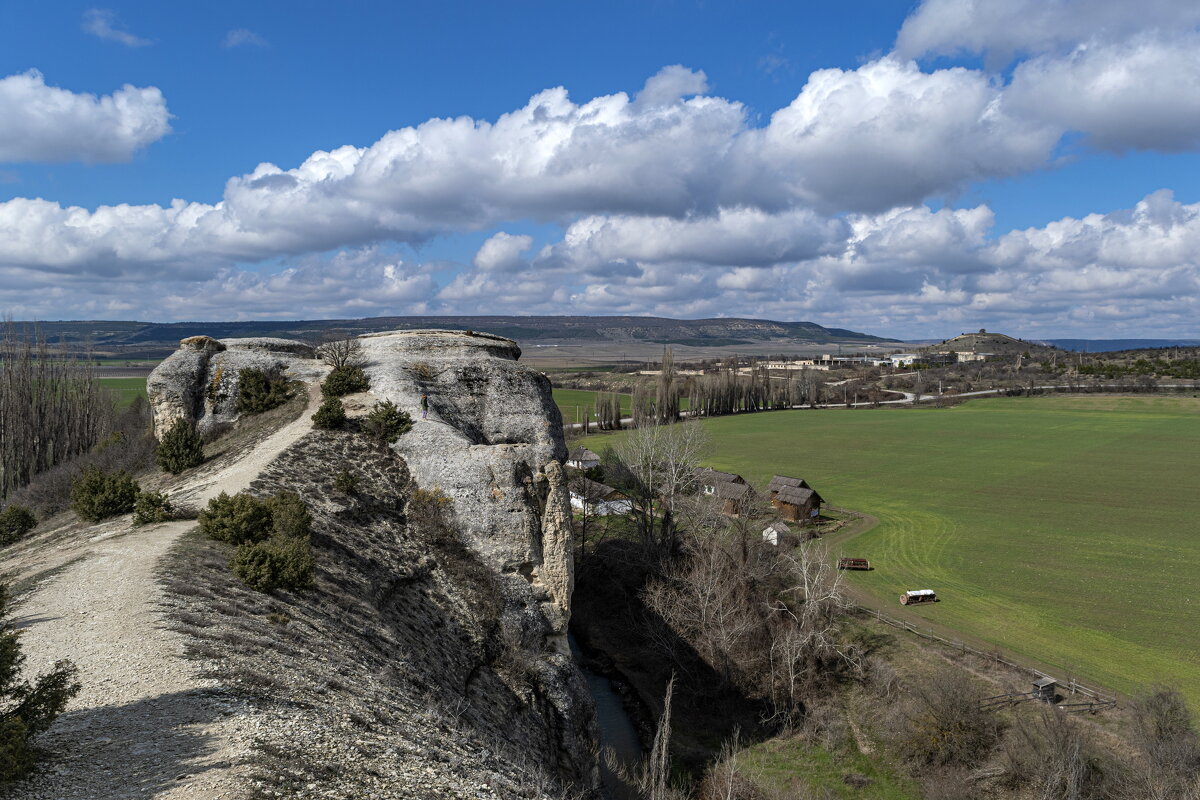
<point>502,252</point>
<point>45,123</point>
<point>1141,93</point>
<point>1004,28</point>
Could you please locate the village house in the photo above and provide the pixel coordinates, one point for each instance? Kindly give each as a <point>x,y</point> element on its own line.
<point>732,490</point>
<point>596,498</point>
<point>582,458</point>
<point>783,482</point>
<point>709,479</point>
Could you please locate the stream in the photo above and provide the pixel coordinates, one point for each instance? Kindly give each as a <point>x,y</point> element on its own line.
<point>616,730</point>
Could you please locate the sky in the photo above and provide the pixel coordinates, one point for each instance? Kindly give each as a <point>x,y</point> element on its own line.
<point>906,169</point>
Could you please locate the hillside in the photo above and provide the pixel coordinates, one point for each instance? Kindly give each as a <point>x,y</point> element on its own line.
<point>988,342</point>
<point>153,339</point>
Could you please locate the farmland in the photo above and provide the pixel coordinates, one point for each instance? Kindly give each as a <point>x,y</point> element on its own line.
<point>1061,528</point>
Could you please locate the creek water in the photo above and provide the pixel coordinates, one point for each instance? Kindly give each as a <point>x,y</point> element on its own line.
<point>616,730</point>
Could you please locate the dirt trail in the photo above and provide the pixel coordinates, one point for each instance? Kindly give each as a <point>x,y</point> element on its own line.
<point>145,724</point>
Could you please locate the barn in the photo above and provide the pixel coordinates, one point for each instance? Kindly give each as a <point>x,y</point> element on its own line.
<point>596,498</point>
<point>796,504</point>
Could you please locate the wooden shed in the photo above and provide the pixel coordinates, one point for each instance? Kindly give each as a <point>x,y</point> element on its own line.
<point>779,534</point>
<point>736,498</point>
<point>797,505</point>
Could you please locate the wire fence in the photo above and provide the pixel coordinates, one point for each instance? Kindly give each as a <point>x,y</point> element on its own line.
<point>1097,699</point>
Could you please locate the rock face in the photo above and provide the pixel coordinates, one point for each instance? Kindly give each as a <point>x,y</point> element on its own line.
<point>199,382</point>
<point>492,443</point>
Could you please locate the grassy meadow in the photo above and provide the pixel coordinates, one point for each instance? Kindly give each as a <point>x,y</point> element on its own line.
<point>1065,529</point>
<point>571,402</point>
<point>125,389</point>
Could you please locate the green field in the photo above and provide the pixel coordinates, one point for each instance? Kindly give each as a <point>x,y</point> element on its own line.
<point>1065,529</point>
<point>125,388</point>
<point>572,402</point>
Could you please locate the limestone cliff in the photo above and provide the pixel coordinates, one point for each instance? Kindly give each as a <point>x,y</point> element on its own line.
<point>492,445</point>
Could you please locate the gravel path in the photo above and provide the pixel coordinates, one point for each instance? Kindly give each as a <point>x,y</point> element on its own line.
<point>145,724</point>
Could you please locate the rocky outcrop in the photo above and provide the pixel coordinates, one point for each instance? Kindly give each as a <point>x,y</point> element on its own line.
<point>492,444</point>
<point>199,381</point>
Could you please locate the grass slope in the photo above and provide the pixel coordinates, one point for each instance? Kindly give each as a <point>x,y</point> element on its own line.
<point>1066,529</point>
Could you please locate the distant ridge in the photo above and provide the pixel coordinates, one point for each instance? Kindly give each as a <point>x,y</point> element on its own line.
<point>125,335</point>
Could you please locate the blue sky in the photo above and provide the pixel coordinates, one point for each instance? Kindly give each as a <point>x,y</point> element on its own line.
<point>912,170</point>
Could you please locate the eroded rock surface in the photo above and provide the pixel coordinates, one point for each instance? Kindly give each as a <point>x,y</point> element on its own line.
<point>199,381</point>
<point>492,443</point>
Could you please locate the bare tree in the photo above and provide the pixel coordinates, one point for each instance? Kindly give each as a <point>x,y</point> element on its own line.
<point>806,645</point>
<point>339,350</point>
<point>655,465</point>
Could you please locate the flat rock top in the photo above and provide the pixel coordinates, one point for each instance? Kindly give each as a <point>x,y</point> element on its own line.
<point>271,344</point>
<point>445,340</point>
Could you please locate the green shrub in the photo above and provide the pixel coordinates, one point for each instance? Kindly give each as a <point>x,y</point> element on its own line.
<point>260,391</point>
<point>151,507</point>
<point>97,495</point>
<point>289,516</point>
<point>345,482</point>
<point>280,563</point>
<point>180,448</point>
<point>386,422</point>
<point>29,708</point>
<point>239,519</point>
<point>345,380</point>
<point>331,415</point>
<point>15,522</point>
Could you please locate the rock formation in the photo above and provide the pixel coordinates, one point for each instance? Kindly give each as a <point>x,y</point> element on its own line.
<point>492,444</point>
<point>199,382</point>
